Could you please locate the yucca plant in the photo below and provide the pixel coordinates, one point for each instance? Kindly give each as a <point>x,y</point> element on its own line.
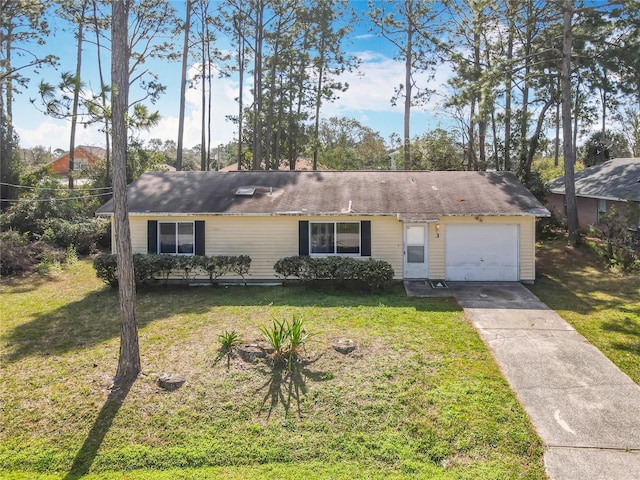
<point>297,336</point>
<point>277,337</point>
<point>228,340</point>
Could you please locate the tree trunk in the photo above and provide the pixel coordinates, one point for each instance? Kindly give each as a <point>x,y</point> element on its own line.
<point>535,139</point>
<point>183,85</point>
<point>472,163</point>
<point>129,358</point>
<point>76,95</point>
<point>7,176</point>
<point>408,90</point>
<point>240,91</point>
<point>257,87</point>
<point>203,98</point>
<point>569,147</point>
<point>508,87</point>
<point>479,93</point>
<point>209,92</point>
<point>316,127</point>
<point>557,140</point>
<point>103,98</point>
<point>275,56</point>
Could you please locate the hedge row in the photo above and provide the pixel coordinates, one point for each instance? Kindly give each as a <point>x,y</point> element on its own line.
<point>376,275</point>
<point>149,267</point>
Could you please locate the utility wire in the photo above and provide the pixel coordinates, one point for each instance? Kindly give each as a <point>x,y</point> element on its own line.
<point>50,188</point>
<point>52,199</point>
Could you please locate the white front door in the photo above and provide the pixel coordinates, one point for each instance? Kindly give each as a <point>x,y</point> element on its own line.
<point>415,251</point>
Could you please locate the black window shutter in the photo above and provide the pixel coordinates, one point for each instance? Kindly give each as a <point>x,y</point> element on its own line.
<point>365,238</point>
<point>200,243</point>
<point>303,238</point>
<point>152,236</point>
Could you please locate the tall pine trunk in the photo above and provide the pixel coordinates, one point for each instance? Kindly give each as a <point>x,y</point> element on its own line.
<point>183,85</point>
<point>257,87</point>
<point>129,358</point>
<point>76,94</point>
<point>240,90</point>
<point>103,98</point>
<point>408,89</point>
<point>569,146</point>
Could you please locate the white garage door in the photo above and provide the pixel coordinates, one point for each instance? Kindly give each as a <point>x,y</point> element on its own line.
<point>482,252</point>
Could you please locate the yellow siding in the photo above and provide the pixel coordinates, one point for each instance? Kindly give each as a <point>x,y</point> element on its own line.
<point>526,247</point>
<point>528,250</point>
<point>436,250</point>
<point>268,238</point>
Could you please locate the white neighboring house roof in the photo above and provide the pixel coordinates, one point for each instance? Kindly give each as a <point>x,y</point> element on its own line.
<point>617,179</point>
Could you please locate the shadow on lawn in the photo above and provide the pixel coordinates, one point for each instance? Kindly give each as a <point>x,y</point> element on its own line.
<point>288,385</point>
<point>558,296</point>
<point>631,332</point>
<point>87,453</point>
<point>95,318</point>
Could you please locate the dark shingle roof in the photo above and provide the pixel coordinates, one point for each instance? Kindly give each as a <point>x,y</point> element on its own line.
<point>412,195</point>
<point>617,179</point>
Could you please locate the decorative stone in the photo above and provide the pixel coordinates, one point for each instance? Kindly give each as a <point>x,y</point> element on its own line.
<point>249,352</point>
<point>343,345</point>
<point>170,381</point>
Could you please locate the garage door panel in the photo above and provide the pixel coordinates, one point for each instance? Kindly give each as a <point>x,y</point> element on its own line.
<point>482,252</point>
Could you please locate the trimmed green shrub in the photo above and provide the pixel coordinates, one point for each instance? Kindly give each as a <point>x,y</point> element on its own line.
<point>376,275</point>
<point>220,265</point>
<point>148,267</point>
<point>290,267</point>
<point>105,266</point>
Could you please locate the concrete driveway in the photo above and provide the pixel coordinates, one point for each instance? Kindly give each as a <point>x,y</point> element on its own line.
<point>585,410</point>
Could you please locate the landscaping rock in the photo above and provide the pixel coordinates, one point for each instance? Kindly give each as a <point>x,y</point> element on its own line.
<point>249,352</point>
<point>343,345</point>
<point>170,381</point>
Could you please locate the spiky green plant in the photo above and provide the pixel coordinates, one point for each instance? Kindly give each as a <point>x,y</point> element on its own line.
<point>297,335</point>
<point>227,341</point>
<point>276,336</point>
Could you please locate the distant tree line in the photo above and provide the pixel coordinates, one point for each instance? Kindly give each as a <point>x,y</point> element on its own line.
<point>521,68</point>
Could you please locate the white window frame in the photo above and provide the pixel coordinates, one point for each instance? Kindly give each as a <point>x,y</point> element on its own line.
<point>601,212</point>
<point>335,243</point>
<point>193,238</point>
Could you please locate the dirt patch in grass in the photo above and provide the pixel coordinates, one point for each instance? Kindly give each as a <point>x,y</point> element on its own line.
<point>420,396</point>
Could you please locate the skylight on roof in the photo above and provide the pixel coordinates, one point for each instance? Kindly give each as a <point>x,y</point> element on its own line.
<point>245,191</point>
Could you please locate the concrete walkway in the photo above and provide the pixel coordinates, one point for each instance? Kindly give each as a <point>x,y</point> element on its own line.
<point>585,410</point>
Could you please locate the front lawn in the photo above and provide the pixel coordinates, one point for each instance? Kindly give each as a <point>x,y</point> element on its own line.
<point>601,304</point>
<point>420,398</point>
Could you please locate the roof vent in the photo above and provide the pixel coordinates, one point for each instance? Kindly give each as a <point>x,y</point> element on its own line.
<point>245,191</point>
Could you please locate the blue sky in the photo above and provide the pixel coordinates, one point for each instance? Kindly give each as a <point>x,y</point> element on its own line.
<point>367,100</point>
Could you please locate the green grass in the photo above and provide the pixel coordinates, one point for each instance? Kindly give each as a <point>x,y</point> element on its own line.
<point>603,305</point>
<point>420,398</point>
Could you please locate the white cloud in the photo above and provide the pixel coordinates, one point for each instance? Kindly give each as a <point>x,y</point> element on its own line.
<point>373,85</point>
<point>367,99</point>
<point>224,92</point>
<point>56,134</point>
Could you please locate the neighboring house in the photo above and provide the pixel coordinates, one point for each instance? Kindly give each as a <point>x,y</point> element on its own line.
<point>600,188</point>
<point>439,225</point>
<point>83,157</point>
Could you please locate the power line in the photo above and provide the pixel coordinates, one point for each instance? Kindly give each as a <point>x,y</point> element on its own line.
<point>53,199</point>
<point>51,188</point>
